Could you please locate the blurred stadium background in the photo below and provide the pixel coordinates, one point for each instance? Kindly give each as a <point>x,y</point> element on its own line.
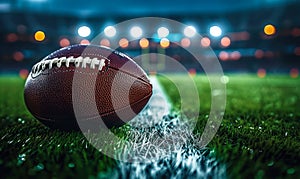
<point>257,36</point>
<point>259,135</point>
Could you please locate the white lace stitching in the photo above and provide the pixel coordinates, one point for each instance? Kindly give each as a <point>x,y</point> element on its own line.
<point>82,62</point>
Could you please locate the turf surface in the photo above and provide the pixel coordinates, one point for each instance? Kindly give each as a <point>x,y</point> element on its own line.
<point>259,136</point>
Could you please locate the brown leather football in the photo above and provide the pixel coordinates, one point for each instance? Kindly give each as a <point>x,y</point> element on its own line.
<point>86,87</point>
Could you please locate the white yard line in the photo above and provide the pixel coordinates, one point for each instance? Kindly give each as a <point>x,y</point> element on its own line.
<point>157,89</point>
<point>184,161</point>
<point>159,101</point>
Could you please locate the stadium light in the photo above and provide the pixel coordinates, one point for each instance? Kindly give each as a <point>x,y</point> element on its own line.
<point>261,73</point>
<point>294,72</point>
<point>136,32</point>
<point>225,41</point>
<point>185,42</point>
<point>123,43</point>
<point>224,79</point>
<point>85,42</point>
<point>84,31</point>
<point>162,32</point>
<point>205,42</point>
<point>110,31</point>
<point>105,42</point>
<point>269,29</point>
<point>64,42</point>
<point>39,36</point>
<point>18,56</point>
<point>189,31</point>
<point>164,43</point>
<point>215,31</point>
<point>23,73</point>
<point>144,43</point>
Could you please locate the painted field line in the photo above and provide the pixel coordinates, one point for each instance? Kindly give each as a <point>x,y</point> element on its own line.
<point>159,98</point>
<point>185,161</point>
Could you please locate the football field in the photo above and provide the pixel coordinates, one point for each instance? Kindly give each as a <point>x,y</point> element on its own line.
<point>258,138</point>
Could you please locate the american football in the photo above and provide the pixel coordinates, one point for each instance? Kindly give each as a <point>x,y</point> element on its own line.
<point>119,87</point>
<point>150,89</point>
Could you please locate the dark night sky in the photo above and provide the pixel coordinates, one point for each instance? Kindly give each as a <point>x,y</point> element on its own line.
<point>134,7</point>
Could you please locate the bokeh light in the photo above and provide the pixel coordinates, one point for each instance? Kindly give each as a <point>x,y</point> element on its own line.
<point>225,41</point>
<point>215,31</point>
<point>22,29</point>
<point>105,42</point>
<point>297,51</point>
<point>164,43</point>
<point>64,42</point>
<point>123,43</point>
<point>23,73</point>
<point>296,32</point>
<point>235,55</point>
<point>223,55</point>
<point>136,32</point>
<point>85,42</point>
<point>12,37</point>
<point>205,42</point>
<point>39,36</point>
<point>269,54</point>
<point>152,72</point>
<point>192,72</point>
<point>185,42</point>
<point>110,31</point>
<point>189,31</point>
<point>240,36</point>
<point>162,32</point>
<point>18,56</point>
<point>259,54</point>
<point>224,79</point>
<point>144,43</point>
<point>84,31</point>
<point>261,73</point>
<point>269,29</point>
<point>294,72</point>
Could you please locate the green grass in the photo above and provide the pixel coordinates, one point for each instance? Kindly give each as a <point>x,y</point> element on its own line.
<point>30,149</point>
<point>259,135</point>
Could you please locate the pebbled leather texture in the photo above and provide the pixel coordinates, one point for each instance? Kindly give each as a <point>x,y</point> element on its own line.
<point>61,97</point>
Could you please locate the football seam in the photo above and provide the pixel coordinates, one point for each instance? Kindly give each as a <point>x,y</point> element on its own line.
<point>41,66</point>
<point>114,111</point>
<point>106,113</point>
<point>137,77</point>
<point>98,73</point>
<point>78,62</point>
